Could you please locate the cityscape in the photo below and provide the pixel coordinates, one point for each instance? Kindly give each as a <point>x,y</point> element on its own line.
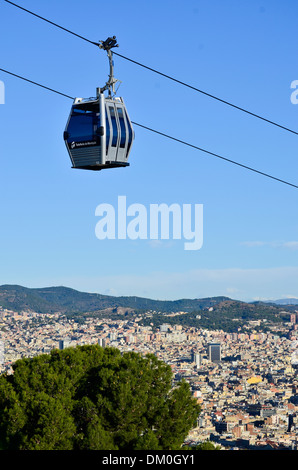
<point>245,382</point>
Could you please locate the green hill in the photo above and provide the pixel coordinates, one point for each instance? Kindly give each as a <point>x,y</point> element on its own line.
<point>66,300</point>
<point>215,312</point>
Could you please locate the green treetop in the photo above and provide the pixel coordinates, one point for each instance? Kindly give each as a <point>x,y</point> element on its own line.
<point>94,398</point>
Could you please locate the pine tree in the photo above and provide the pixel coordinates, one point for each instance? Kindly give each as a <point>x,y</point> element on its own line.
<point>94,398</point>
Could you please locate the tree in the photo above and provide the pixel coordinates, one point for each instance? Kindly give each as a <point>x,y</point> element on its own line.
<point>89,397</point>
<point>207,445</point>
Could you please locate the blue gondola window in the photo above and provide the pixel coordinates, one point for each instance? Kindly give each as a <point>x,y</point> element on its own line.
<point>130,136</point>
<point>114,125</point>
<point>122,126</point>
<point>108,132</point>
<point>82,125</point>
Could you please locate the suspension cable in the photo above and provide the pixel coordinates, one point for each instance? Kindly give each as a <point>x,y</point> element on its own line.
<point>166,135</point>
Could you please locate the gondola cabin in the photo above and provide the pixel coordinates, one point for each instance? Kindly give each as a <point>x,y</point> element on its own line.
<point>98,133</point>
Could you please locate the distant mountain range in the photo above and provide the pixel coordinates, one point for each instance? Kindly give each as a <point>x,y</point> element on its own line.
<point>67,300</point>
<point>70,301</point>
<point>291,301</point>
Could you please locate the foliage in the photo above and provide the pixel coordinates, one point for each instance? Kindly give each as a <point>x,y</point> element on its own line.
<point>207,445</point>
<point>229,316</point>
<point>94,398</point>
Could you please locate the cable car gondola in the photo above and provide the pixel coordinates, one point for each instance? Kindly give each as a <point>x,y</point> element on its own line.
<point>99,133</point>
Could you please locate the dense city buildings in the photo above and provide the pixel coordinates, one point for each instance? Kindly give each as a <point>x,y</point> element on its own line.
<point>245,382</point>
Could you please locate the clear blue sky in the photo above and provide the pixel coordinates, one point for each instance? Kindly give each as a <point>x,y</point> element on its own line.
<point>241,51</point>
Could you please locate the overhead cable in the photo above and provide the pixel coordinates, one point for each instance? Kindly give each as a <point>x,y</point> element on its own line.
<point>35,83</point>
<point>239,108</point>
<point>165,135</point>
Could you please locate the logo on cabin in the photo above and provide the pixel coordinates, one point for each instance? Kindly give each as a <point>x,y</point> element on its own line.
<point>88,143</point>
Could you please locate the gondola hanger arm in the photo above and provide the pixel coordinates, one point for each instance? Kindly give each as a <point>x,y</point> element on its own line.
<point>107,45</point>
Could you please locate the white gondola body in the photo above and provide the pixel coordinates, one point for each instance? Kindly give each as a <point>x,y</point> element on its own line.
<point>98,133</point>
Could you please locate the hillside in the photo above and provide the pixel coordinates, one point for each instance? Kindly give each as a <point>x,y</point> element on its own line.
<point>66,300</point>
<point>211,313</point>
<point>228,315</point>
<point>70,301</point>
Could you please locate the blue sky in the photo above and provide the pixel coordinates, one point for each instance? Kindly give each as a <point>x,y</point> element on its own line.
<point>241,51</point>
